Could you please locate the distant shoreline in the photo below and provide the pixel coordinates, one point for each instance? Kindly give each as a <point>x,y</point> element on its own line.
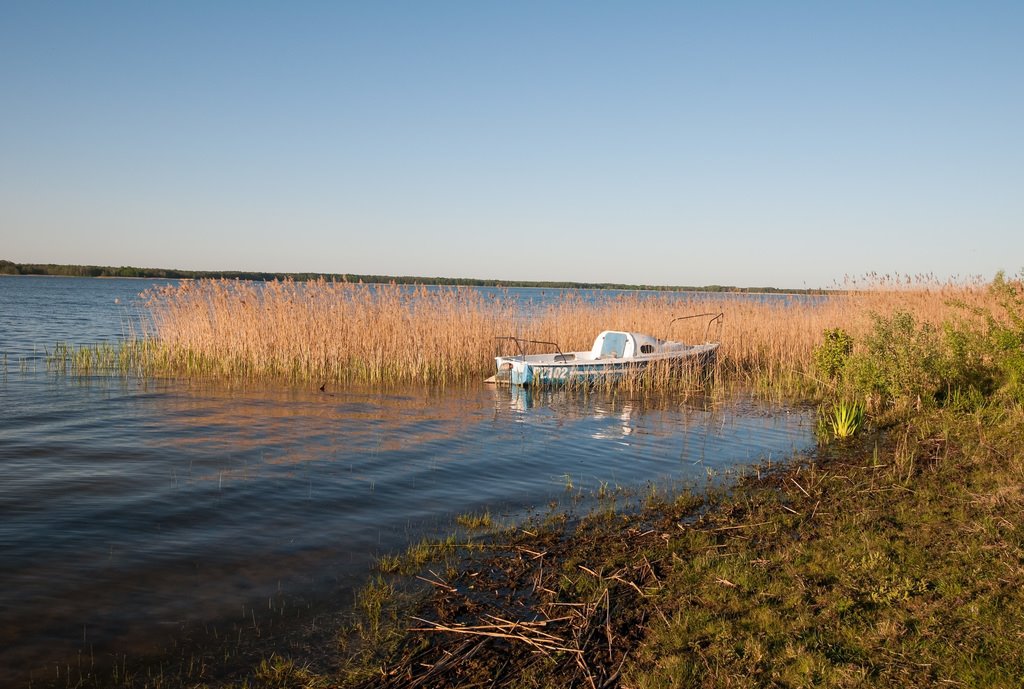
<point>89,271</point>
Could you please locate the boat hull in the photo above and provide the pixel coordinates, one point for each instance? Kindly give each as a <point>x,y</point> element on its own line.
<point>534,371</point>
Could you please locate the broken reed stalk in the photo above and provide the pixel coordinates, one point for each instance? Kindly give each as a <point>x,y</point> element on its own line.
<point>578,627</point>
<point>529,633</point>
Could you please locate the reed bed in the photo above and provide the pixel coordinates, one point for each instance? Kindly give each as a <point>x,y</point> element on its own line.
<point>339,334</point>
<point>323,332</point>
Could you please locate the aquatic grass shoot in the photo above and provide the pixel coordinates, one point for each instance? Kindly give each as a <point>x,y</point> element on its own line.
<point>475,521</point>
<point>844,418</point>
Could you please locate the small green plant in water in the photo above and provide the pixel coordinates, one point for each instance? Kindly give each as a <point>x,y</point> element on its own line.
<point>283,673</point>
<point>475,521</point>
<point>389,564</point>
<point>845,419</point>
<point>371,600</point>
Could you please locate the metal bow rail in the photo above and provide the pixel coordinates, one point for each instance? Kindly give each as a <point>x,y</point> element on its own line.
<point>522,350</point>
<point>719,317</point>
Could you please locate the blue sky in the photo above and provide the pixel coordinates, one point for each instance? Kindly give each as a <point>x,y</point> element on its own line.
<point>763,143</point>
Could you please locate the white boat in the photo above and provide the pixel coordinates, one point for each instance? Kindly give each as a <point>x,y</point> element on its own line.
<point>614,355</point>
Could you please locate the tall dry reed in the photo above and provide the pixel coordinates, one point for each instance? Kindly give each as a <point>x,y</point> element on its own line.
<point>322,331</point>
<point>344,333</point>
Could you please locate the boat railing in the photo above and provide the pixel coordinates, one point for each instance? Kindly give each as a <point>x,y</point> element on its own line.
<point>714,318</point>
<point>521,342</point>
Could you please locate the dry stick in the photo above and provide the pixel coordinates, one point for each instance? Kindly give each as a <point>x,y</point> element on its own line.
<point>608,621</point>
<point>799,486</point>
<point>458,657</point>
<point>532,625</point>
<point>539,577</point>
<point>743,526</point>
<point>544,644</point>
<point>586,670</point>
<point>650,570</point>
<point>661,614</point>
<point>616,577</point>
<point>615,675</point>
<point>580,657</point>
<point>438,583</point>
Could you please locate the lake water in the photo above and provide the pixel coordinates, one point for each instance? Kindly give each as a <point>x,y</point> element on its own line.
<point>133,512</point>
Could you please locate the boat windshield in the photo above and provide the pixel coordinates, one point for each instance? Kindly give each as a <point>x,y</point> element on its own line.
<point>614,345</point>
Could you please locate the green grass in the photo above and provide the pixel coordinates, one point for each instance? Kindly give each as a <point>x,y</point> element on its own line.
<point>854,574</point>
<point>475,521</point>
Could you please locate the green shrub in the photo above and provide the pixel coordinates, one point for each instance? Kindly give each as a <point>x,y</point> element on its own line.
<point>831,355</point>
<point>959,365</point>
<point>1006,337</point>
<point>901,360</point>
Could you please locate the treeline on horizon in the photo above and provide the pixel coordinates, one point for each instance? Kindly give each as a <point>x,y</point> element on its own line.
<point>60,270</point>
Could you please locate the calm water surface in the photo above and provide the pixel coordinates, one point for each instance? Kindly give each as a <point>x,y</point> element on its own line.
<point>131,511</point>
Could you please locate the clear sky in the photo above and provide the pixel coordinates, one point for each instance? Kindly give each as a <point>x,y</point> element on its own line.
<point>763,143</point>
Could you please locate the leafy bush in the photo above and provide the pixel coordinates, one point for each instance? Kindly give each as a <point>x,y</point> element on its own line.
<point>831,355</point>
<point>959,365</point>
<point>901,360</point>
<point>1006,337</point>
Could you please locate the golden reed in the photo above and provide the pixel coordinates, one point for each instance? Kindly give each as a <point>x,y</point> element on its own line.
<point>343,333</point>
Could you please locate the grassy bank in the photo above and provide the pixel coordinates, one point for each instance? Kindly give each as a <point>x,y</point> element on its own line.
<point>895,562</point>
